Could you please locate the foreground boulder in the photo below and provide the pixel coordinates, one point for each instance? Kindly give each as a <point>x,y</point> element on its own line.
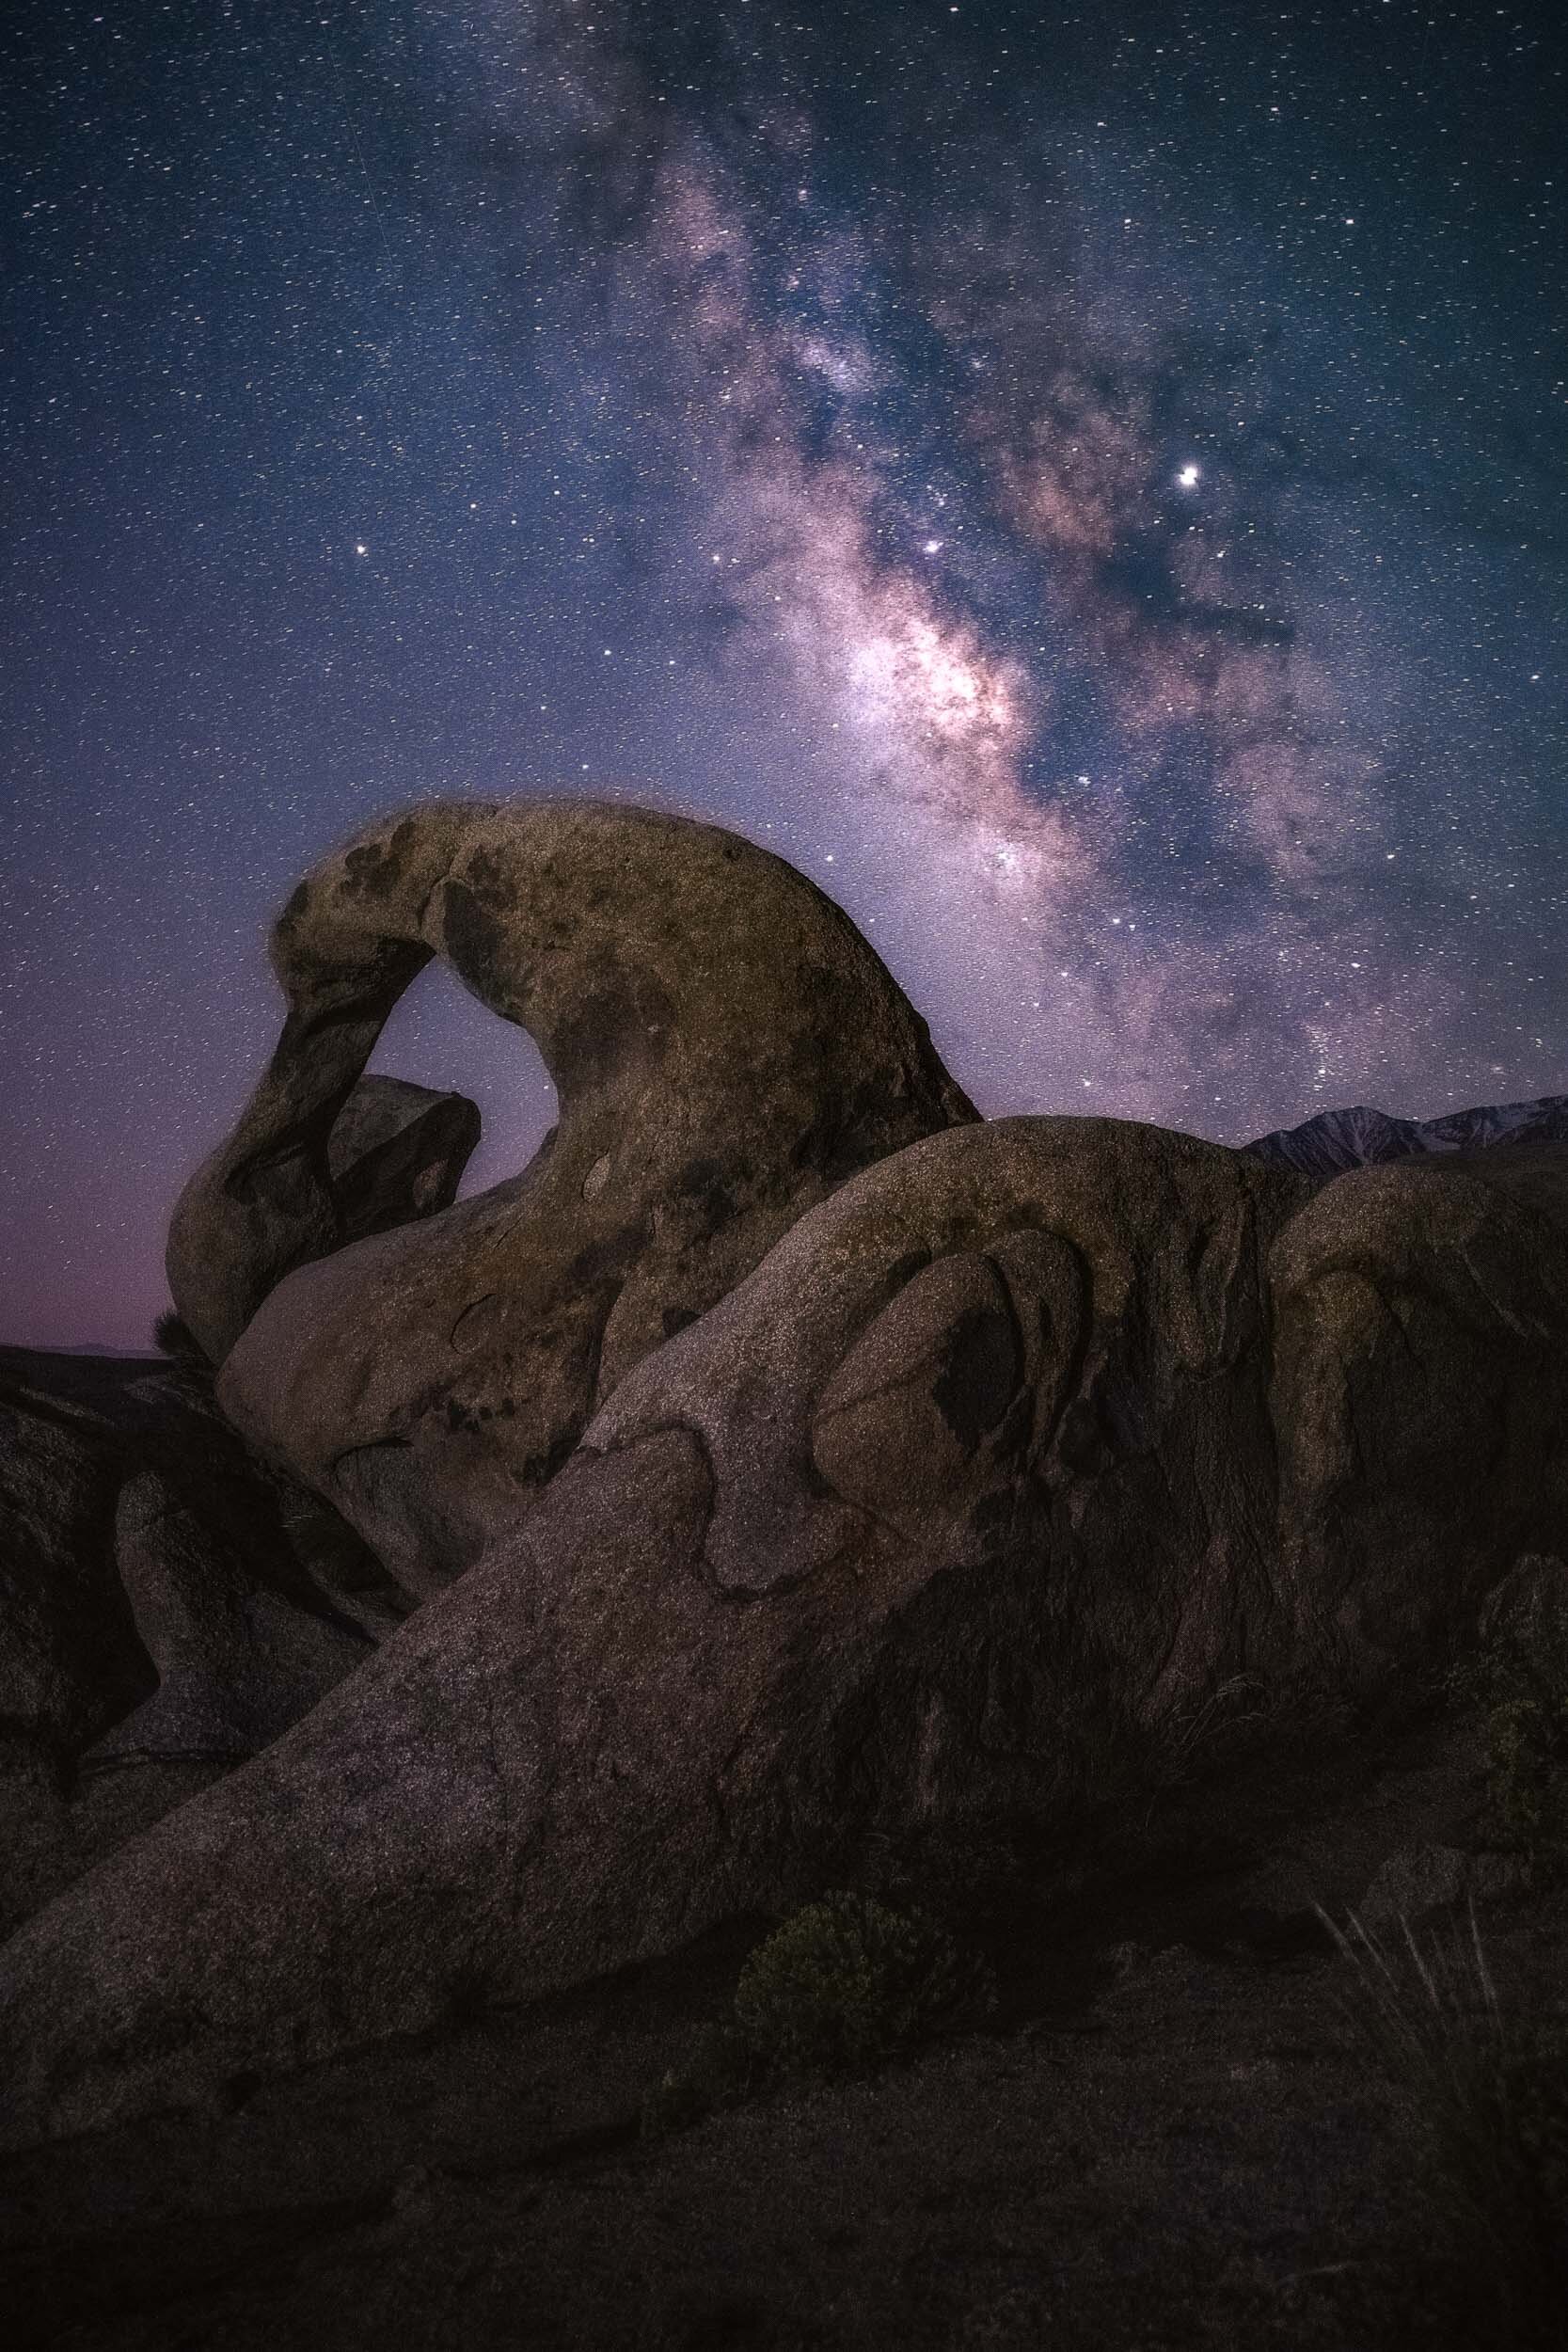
<point>166,1608</point>
<point>963,1493</point>
<point>1010,1457</point>
<point>1420,1398</point>
<point>785,1463</point>
<point>726,1048</point>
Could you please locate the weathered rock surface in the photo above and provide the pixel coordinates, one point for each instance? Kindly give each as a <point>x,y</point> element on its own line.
<point>1010,1457</point>
<point>789,1466</point>
<point>396,1152</point>
<point>163,1610</point>
<point>310,1171</point>
<point>1169,2131</point>
<point>961,1494</point>
<point>726,1048</point>
<point>1420,1397</point>
<point>388,1153</point>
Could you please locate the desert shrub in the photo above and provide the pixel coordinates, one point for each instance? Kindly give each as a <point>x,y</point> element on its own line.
<point>846,1981</point>
<point>1285,1717</point>
<point>1528,1771</point>
<point>174,1337</point>
<point>840,1986</point>
<point>1484,2097</point>
<point>1520,1676</point>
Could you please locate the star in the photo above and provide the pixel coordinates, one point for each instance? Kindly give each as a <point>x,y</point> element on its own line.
<point>782,363</point>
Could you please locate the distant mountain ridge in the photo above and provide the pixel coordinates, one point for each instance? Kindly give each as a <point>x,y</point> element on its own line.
<point>1335,1140</point>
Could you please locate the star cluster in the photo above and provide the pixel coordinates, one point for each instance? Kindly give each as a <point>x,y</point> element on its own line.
<point>1090,490</point>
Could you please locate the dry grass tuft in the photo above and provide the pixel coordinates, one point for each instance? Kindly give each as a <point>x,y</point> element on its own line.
<point>1484,2095</point>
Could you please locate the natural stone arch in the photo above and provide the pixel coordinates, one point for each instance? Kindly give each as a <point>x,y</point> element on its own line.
<point>726,1049</point>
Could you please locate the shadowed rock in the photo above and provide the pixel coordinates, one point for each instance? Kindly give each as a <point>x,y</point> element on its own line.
<point>166,1608</point>
<point>1420,1396</point>
<point>726,1048</point>
<point>299,1179</point>
<point>69,1659</point>
<point>1007,1459</point>
<point>961,1494</point>
<point>396,1152</point>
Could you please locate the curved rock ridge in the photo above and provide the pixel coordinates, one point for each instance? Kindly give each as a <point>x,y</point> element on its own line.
<point>955,1490</point>
<point>1013,1453</point>
<point>381,1153</point>
<point>726,1048</point>
<point>787,1462</point>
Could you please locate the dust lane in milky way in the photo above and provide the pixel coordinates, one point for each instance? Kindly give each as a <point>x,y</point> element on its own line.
<point>1090,492</point>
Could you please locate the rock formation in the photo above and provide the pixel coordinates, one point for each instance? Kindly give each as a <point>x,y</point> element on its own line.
<point>931,1478</point>
<point>726,1048</point>
<point>396,1152</point>
<point>166,1608</point>
<point>962,1484</point>
<point>383,1153</point>
<point>1420,1397</point>
<point>1007,1458</point>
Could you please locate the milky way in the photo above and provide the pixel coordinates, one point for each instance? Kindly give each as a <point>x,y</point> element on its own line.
<point>1093,494</point>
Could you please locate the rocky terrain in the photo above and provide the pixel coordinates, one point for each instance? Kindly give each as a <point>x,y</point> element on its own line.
<point>1170,2133</point>
<point>169,1606</point>
<point>424,1689</point>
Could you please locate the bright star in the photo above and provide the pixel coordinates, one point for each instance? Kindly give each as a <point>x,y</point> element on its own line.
<point>359,547</point>
<point>1188,477</point>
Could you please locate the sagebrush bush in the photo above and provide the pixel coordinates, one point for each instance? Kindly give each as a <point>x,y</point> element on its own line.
<point>1520,1675</point>
<point>172,1336</point>
<point>846,1981</point>
<point>1528,1771</point>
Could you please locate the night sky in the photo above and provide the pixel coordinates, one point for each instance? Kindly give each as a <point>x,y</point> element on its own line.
<point>1091,488</point>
